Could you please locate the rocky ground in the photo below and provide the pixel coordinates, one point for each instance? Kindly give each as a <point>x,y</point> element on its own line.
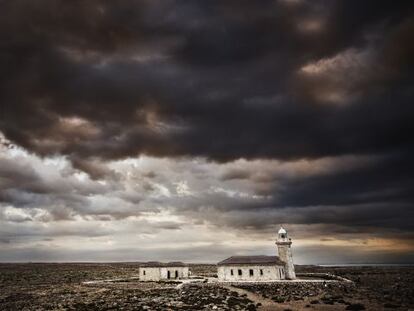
<point>373,288</point>
<point>61,287</point>
<point>393,287</point>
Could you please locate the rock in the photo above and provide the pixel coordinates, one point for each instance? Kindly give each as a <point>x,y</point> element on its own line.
<point>391,305</point>
<point>251,307</point>
<point>278,299</point>
<point>355,307</point>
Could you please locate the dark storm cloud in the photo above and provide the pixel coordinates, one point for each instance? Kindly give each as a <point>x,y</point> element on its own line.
<point>21,184</point>
<point>93,168</point>
<point>187,78</point>
<point>373,192</point>
<point>384,179</point>
<point>235,174</point>
<point>280,80</point>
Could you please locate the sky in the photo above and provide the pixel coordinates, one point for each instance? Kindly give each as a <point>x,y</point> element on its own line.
<point>192,130</point>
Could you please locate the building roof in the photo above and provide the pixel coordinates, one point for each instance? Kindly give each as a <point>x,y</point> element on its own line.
<point>252,260</point>
<point>282,230</point>
<point>156,264</point>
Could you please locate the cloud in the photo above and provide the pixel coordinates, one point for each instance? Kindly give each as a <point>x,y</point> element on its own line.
<point>163,116</point>
<point>90,88</point>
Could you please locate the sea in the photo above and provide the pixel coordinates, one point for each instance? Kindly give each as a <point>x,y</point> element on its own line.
<point>368,265</point>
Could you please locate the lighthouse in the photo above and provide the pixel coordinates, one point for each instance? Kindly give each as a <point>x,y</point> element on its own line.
<point>284,243</point>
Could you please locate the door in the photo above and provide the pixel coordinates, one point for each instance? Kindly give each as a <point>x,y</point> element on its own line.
<point>168,274</point>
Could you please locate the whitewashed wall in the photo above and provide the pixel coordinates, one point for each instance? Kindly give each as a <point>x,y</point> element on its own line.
<point>151,274</point>
<point>161,273</point>
<point>285,254</point>
<point>182,272</point>
<point>269,273</point>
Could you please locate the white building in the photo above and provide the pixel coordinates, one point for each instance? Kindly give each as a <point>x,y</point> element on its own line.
<point>260,268</point>
<point>158,271</point>
<point>251,268</point>
<point>284,244</point>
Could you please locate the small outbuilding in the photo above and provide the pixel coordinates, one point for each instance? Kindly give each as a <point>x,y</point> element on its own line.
<point>251,268</point>
<point>159,271</point>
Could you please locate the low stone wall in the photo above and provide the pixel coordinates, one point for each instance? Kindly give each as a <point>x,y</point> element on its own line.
<point>323,276</point>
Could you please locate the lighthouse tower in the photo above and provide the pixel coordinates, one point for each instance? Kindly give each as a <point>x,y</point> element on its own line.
<point>283,243</point>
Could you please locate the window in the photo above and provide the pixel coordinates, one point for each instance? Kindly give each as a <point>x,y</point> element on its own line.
<point>143,272</point>
<point>251,272</point>
<point>176,274</point>
<point>231,271</point>
<point>240,272</point>
<point>261,271</point>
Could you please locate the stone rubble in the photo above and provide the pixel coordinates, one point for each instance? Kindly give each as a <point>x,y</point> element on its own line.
<point>61,287</point>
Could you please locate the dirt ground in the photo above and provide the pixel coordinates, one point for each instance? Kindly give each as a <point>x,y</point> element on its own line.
<point>61,287</point>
